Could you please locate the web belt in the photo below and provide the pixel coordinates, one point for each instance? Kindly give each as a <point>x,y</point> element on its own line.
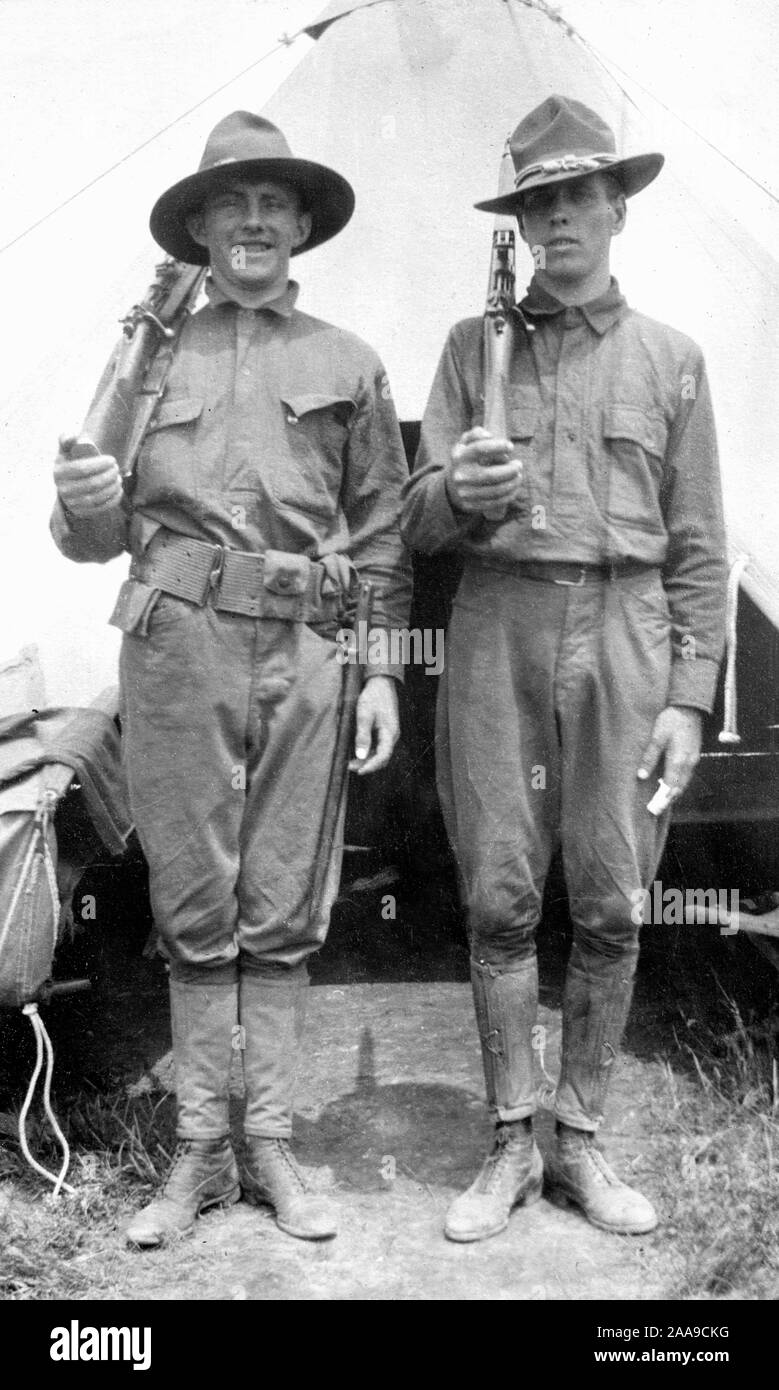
<point>274,584</point>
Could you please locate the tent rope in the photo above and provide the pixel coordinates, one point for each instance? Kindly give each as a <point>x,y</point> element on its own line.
<point>38,839</point>
<point>38,833</point>
<point>314,31</point>
<point>43,1043</point>
<point>607,63</point>
<point>729,732</point>
<point>282,43</point>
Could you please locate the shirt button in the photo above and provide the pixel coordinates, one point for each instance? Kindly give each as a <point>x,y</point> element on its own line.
<point>571,435</point>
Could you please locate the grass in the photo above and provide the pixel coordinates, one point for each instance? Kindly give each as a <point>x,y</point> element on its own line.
<point>719,1162</point>
<point>715,1155</point>
<point>67,1247</point>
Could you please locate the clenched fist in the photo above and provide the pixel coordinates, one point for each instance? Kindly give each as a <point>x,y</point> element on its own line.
<point>87,481</point>
<point>482,476</point>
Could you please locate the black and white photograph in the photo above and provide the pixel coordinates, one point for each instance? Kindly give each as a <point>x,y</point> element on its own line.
<point>389,657</point>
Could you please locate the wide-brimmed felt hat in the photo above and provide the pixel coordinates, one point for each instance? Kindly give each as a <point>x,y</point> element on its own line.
<point>246,146</point>
<point>564,139</point>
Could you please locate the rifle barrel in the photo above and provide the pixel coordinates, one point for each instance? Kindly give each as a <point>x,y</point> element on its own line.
<point>352,683</point>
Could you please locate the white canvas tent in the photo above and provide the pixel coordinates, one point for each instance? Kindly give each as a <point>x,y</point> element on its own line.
<point>416,97</point>
<point>411,100</point>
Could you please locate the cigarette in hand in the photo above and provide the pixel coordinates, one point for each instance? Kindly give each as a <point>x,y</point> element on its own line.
<point>661,799</point>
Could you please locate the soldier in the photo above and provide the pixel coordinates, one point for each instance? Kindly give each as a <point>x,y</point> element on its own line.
<point>583,648</point>
<point>270,475</point>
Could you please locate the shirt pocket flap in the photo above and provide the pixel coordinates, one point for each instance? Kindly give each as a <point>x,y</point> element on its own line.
<point>178,412</point>
<point>633,423</point>
<point>284,573</point>
<point>302,404</point>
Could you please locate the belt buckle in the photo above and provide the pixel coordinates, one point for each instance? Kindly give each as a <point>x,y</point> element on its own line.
<point>216,572</point>
<point>572,583</point>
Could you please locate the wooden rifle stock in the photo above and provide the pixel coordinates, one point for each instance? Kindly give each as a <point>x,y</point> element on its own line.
<point>498,322</point>
<point>352,684</point>
<point>117,422</point>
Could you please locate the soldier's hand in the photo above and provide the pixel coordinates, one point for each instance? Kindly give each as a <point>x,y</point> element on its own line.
<point>378,725</point>
<point>87,481</point>
<point>482,476</point>
<point>676,739</point>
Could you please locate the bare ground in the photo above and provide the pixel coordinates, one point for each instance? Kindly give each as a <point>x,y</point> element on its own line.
<point>390,1113</point>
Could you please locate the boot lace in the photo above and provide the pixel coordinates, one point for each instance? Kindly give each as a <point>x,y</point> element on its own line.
<point>184,1151</point>
<point>282,1148</point>
<point>591,1153</point>
<point>496,1165</point>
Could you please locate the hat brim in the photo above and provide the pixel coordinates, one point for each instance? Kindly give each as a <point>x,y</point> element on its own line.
<point>634,173</point>
<point>326,195</point>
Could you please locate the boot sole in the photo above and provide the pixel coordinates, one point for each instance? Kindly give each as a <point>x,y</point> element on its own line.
<point>525,1199</point>
<point>255,1200</point>
<point>228,1199</point>
<point>562,1199</point>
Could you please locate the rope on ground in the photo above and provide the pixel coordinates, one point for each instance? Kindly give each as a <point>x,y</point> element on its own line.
<point>43,1042</point>
<point>39,839</point>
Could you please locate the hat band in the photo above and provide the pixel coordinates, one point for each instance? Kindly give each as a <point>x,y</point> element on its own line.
<point>566,164</point>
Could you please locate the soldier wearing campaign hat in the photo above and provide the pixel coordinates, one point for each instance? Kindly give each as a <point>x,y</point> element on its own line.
<point>583,649</point>
<point>269,479</point>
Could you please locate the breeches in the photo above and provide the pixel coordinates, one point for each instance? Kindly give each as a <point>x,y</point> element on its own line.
<point>547,703</point>
<point>229,727</point>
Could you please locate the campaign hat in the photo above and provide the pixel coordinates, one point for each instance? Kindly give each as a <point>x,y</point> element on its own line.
<point>246,146</point>
<point>564,139</point>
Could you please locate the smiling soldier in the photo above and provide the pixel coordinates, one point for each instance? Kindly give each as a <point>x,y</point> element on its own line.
<point>269,478</point>
<point>583,648</point>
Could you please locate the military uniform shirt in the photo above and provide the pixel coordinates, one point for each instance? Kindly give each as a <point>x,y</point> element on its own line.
<point>276,431</point>
<point>611,415</point>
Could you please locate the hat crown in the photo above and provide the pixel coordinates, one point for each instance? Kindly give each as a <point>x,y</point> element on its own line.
<point>560,127</point>
<point>243,136</point>
<point>245,146</point>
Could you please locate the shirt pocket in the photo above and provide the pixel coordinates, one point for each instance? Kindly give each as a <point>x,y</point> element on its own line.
<point>522,412</point>
<point>635,441</point>
<point>308,478</point>
<point>168,465</point>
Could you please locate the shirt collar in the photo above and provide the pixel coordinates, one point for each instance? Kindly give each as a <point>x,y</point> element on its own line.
<point>600,313</point>
<point>283,305</point>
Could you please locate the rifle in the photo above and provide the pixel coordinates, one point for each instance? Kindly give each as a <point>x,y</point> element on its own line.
<point>352,683</point>
<point>498,324</point>
<point>119,418</point>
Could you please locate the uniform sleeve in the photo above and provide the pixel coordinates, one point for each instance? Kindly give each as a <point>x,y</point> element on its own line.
<point>695,570</point>
<point>106,535</point>
<point>374,475</point>
<point>428,520</point>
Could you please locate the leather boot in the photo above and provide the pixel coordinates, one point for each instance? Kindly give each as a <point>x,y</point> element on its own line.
<point>512,1173</point>
<point>579,1175</point>
<point>272,1012</point>
<point>506,1003</point>
<point>204,1173</point>
<point>272,1177</point>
